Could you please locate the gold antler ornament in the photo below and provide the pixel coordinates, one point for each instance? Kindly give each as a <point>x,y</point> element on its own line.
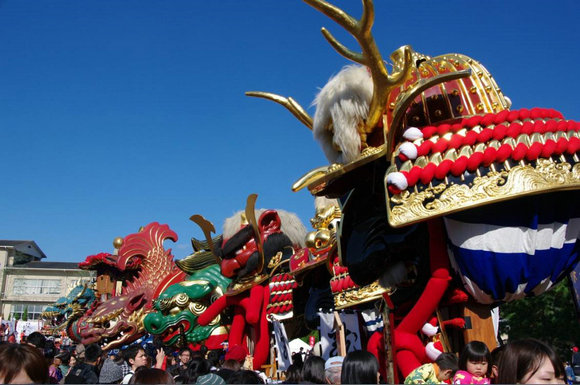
<point>291,105</point>
<point>370,55</point>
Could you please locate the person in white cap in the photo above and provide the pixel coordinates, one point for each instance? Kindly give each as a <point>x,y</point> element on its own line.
<point>333,369</point>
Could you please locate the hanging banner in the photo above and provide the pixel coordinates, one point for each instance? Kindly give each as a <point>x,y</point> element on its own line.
<point>25,328</point>
<point>283,357</point>
<point>373,320</point>
<point>351,331</point>
<point>327,335</point>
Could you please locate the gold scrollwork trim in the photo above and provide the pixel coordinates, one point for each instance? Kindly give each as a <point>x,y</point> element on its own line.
<point>358,295</point>
<point>236,288</point>
<point>411,207</point>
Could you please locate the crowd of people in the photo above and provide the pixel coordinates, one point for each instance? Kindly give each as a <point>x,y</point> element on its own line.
<point>36,360</point>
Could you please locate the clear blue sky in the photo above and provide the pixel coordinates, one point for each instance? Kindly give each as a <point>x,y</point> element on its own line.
<point>115,114</point>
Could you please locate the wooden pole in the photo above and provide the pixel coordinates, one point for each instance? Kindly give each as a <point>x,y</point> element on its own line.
<point>388,338</point>
<point>340,338</point>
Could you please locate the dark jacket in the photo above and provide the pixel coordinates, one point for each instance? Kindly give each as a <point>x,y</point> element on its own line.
<point>82,373</point>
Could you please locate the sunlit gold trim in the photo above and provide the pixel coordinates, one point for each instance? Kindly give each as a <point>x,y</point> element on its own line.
<point>358,295</point>
<point>548,176</point>
<point>316,179</point>
<point>236,288</point>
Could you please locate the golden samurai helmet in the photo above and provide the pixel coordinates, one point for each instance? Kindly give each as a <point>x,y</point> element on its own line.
<point>444,128</point>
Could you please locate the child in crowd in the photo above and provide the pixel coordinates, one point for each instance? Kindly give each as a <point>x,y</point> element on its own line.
<point>441,370</point>
<point>474,364</point>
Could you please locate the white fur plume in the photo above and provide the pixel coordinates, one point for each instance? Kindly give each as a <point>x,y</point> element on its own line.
<point>398,180</point>
<point>291,225</point>
<point>341,105</point>
<point>409,150</point>
<point>412,133</point>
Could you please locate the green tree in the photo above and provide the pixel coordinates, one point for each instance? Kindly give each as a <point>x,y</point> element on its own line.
<point>550,317</point>
<point>25,314</point>
<point>16,316</point>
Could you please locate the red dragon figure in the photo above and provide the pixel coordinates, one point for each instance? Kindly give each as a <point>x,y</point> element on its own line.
<point>119,320</point>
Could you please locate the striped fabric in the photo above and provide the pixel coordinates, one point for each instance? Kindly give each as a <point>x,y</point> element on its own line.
<point>517,248</point>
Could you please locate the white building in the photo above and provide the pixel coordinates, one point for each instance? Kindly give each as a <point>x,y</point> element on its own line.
<point>26,282</point>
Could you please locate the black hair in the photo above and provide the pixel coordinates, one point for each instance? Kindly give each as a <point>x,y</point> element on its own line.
<point>496,355</point>
<point>475,351</point>
<point>131,352</point>
<point>36,339</point>
<point>359,367</point>
<point>197,367</point>
<point>213,357</point>
<point>293,374</point>
<point>245,377</point>
<point>313,370</point>
<point>447,361</point>
<point>92,353</point>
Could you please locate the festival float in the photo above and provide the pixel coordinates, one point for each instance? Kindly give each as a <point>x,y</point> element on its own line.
<point>438,204</point>
<point>429,161</point>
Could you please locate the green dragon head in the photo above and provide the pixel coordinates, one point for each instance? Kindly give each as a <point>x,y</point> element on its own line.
<point>179,306</point>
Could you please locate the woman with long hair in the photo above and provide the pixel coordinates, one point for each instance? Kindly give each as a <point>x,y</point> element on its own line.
<point>529,361</point>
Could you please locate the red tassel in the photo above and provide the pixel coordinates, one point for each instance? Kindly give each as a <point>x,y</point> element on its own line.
<point>428,173</point>
<point>443,169</point>
<point>573,146</point>
<point>487,120</point>
<point>551,126</point>
<point>499,132</point>
<point>473,121</point>
<point>514,130</point>
<point>513,115</point>
<point>534,151</point>
<point>489,156</point>
<point>519,152</point>
<point>424,148</point>
<point>503,153</point>
<point>470,138</point>
<point>524,114</point>
<point>413,176</point>
<point>549,148</point>
<point>456,127</point>
<point>527,128</point>
<point>501,117</point>
<point>536,113</point>
<point>474,161</point>
<point>455,141</point>
<point>484,135</point>
<point>440,146</point>
<point>458,167</point>
<point>561,146</point>
<point>428,131</point>
<point>443,129</point>
<point>564,126</point>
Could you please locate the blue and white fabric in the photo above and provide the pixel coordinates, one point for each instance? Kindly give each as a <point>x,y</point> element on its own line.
<point>517,248</point>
